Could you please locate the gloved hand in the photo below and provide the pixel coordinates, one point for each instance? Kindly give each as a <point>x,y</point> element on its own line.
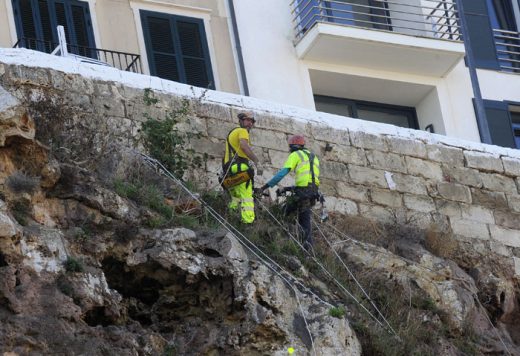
<point>257,192</point>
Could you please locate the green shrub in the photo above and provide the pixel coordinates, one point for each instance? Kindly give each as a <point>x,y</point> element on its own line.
<point>165,142</point>
<point>337,312</point>
<point>73,265</point>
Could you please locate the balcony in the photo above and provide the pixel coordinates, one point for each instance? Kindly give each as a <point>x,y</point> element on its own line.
<point>124,61</point>
<point>409,36</point>
<point>507,44</point>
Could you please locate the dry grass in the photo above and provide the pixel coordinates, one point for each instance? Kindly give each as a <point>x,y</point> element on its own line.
<point>441,244</point>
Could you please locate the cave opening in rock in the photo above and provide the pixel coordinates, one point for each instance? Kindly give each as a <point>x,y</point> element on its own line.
<point>3,262</point>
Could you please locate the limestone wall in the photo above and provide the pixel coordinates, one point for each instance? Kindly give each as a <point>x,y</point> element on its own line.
<point>373,170</point>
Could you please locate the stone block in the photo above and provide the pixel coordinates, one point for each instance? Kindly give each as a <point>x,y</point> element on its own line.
<point>386,197</point>
<point>511,166</point>
<point>516,262</point>
<point>407,147</point>
<point>334,170</point>
<point>282,123</point>
<point>209,146</point>
<point>346,154</point>
<point>421,203</point>
<point>211,110</point>
<point>465,176</point>
<point>477,213</point>
<point>33,76</point>
<point>368,141</point>
<point>483,161</point>
<point>419,219</point>
<point>495,200</point>
<point>469,228</point>
<point>330,134</point>
<point>426,169</point>
<point>448,155</point>
<point>219,129</point>
<point>513,201</point>
<point>378,213</point>
<point>328,188</point>
<point>342,206</point>
<point>449,208</point>
<point>500,248</point>
<point>506,236</point>
<point>352,191</point>
<point>269,139</point>
<point>498,183</point>
<point>409,184</point>
<point>114,108</point>
<point>278,158</point>
<point>387,161</point>
<point>455,192</point>
<point>508,220</point>
<point>367,176</point>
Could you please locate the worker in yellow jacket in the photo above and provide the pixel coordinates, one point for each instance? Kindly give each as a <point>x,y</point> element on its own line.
<point>238,158</point>
<point>306,167</point>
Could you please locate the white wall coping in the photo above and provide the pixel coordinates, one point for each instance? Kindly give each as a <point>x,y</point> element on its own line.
<point>30,58</point>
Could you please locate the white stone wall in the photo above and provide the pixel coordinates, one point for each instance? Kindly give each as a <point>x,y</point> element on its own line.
<point>374,170</point>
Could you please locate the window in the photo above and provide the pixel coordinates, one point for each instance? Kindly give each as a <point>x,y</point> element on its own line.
<point>515,121</point>
<point>504,18</point>
<point>37,20</point>
<point>177,48</point>
<point>389,114</point>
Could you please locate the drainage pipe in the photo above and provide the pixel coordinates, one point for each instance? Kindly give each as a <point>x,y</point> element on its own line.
<point>238,48</point>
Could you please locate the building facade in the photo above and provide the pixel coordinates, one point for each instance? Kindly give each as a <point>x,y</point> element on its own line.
<point>399,62</point>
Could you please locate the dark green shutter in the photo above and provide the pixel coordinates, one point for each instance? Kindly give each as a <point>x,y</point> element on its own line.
<point>37,19</point>
<point>476,14</point>
<point>177,48</point>
<point>499,123</point>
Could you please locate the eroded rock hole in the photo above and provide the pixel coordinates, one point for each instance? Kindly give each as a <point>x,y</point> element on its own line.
<point>96,316</point>
<point>3,262</point>
<point>172,297</point>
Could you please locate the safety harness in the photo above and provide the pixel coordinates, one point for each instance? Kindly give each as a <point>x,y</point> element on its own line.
<point>229,178</point>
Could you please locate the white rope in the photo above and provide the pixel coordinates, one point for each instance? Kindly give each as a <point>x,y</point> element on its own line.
<point>348,238</point>
<point>315,260</point>
<point>156,164</point>
<point>353,277</point>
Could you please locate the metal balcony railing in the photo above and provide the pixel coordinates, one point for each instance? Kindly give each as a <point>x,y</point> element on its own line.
<point>125,61</point>
<point>507,45</point>
<point>426,18</point>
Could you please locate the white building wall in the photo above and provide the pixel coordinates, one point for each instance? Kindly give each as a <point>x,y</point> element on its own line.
<point>275,73</point>
<point>499,86</point>
<point>272,68</point>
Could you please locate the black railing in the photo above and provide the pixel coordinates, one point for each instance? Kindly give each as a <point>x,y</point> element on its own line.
<point>125,61</point>
<point>507,44</point>
<point>430,18</point>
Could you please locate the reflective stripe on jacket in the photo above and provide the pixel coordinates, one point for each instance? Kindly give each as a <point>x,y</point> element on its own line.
<point>298,161</point>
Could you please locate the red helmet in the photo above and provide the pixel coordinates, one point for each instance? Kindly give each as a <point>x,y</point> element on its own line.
<point>296,140</point>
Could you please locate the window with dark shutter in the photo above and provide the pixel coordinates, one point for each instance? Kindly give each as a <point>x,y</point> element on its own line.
<point>36,22</point>
<point>499,123</point>
<point>177,48</point>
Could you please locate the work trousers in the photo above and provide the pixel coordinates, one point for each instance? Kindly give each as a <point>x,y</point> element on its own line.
<point>302,206</point>
<point>242,197</point>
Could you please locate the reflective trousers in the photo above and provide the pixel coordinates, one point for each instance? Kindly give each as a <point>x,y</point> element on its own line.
<point>242,198</point>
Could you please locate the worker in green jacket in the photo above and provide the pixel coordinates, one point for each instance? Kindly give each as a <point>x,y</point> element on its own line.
<point>306,167</point>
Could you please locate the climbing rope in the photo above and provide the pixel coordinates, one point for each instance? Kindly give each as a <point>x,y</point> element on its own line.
<point>250,246</point>
<point>327,272</point>
<point>475,296</point>
<point>354,277</point>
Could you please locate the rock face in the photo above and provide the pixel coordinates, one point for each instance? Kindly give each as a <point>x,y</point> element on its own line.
<point>80,275</point>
